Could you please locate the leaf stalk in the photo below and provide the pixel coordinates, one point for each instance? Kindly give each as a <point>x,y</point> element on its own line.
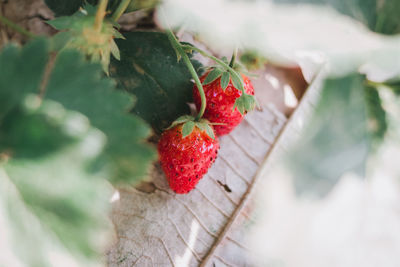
<point>120,10</point>
<point>220,62</point>
<point>181,53</point>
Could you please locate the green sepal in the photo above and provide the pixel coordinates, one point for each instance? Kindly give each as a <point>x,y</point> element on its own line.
<point>225,80</point>
<point>245,103</point>
<point>115,50</point>
<point>181,119</point>
<point>201,125</point>
<point>187,128</point>
<point>212,76</point>
<point>210,131</point>
<point>205,125</point>
<point>189,123</point>
<point>237,82</point>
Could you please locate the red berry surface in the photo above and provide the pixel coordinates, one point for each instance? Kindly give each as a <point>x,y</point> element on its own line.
<point>220,103</point>
<point>185,160</point>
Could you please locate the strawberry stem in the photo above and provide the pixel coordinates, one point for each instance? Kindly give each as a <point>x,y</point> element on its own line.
<point>16,27</point>
<point>234,55</point>
<point>181,53</point>
<point>220,62</point>
<point>120,10</point>
<point>100,13</point>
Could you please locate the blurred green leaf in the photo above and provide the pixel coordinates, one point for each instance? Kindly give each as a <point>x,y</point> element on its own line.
<point>339,136</point>
<point>149,70</point>
<point>79,86</point>
<point>70,202</point>
<point>53,201</point>
<point>394,85</point>
<point>21,72</point>
<point>379,16</point>
<point>377,124</point>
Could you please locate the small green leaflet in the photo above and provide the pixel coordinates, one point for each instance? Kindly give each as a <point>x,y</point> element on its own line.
<point>187,128</point>
<point>189,124</point>
<point>180,120</point>
<point>212,76</point>
<point>210,131</point>
<point>237,81</point>
<point>245,103</point>
<point>225,80</point>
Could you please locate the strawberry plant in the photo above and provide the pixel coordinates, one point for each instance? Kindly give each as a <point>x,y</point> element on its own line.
<point>81,110</point>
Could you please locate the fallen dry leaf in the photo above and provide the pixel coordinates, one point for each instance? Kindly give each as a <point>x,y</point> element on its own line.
<point>156,227</point>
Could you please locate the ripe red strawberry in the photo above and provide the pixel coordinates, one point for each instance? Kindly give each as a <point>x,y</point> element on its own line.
<point>186,156</point>
<point>220,102</point>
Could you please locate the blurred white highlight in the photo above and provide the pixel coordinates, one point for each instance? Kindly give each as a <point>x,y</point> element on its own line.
<point>115,197</point>
<point>289,97</point>
<point>185,259</point>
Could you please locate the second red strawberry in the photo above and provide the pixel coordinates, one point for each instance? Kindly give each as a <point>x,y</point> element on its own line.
<point>220,102</point>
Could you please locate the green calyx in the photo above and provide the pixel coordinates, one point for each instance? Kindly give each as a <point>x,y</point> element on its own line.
<point>84,32</point>
<point>189,123</point>
<point>245,102</point>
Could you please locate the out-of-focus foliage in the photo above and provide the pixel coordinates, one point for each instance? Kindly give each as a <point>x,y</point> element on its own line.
<point>126,152</point>
<point>378,16</point>
<point>63,132</point>
<point>312,36</point>
<point>148,69</point>
<point>57,206</point>
<point>347,121</point>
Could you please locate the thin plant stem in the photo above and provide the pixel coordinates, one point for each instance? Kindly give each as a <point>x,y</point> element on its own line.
<point>120,10</point>
<point>101,12</point>
<point>219,61</point>
<point>16,27</point>
<point>179,50</point>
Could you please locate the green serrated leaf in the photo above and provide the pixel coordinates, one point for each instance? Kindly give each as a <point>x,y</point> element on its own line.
<point>225,80</point>
<point>212,76</point>
<point>29,63</point>
<point>187,128</point>
<point>149,70</point>
<point>51,144</point>
<point>78,86</point>
<point>210,131</point>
